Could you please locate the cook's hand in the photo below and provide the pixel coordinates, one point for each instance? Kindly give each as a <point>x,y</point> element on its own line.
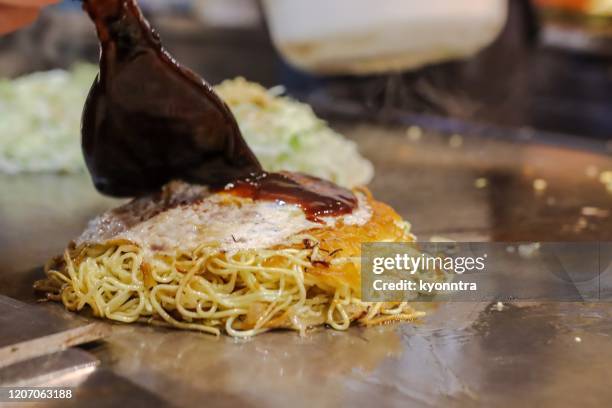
<point>18,13</point>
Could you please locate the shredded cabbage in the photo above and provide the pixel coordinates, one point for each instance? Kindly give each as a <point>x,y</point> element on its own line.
<point>287,135</point>
<point>40,117</point>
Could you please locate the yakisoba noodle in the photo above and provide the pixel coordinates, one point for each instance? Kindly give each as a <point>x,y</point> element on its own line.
<point>312,278</point>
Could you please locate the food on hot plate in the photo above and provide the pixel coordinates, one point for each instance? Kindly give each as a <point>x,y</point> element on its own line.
<point>40,115</point>
<point>278,250</point>
<point>230,248</point>
<point>285,134</point>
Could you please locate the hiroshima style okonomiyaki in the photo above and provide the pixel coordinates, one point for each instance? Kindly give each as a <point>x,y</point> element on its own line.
<point>234,261</point>
<point>211,242</point>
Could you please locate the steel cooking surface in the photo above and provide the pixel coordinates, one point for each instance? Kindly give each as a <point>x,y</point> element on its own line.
<point>462,354</point>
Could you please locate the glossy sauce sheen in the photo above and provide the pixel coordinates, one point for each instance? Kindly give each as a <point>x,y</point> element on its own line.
<point>147,120</point>
<point>317,198</point>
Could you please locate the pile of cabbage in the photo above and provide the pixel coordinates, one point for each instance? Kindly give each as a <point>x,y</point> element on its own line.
<point>287,135</point>
<point>40,117</point>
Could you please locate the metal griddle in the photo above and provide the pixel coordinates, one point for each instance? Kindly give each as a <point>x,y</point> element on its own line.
<point>29,332</point>
<point>462,354</point>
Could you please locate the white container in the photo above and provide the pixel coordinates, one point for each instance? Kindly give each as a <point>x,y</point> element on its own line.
<point>227,13</point>
<point>373,36</point>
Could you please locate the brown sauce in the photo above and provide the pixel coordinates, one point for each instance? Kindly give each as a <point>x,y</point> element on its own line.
<point>317,198</point>
<point>147,120</point>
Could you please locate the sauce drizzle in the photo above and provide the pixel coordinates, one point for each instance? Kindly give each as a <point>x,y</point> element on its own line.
<point>316,197</point>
